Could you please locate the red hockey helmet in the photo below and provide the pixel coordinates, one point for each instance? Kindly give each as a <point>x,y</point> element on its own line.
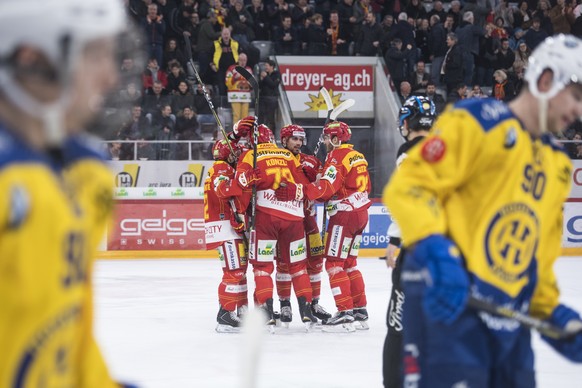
<point>292,130</point>
<point>265,135</point>
<point>221,150</point>
<point>339,129</point>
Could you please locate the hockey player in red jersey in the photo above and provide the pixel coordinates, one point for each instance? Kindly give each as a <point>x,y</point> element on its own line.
<point>279,224</point>
<point>223,232</point>
<point>345,186</point>
<point>292,138</point>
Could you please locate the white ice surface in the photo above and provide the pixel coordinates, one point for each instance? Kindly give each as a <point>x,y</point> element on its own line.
<point>155,323</point>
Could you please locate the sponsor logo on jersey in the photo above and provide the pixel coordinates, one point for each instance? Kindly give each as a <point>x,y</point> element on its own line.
<point>231,255</point>
<point>330,174</point>
<point>411,365</point>
<point>266,250</point>
<point>346,244</point>
<point>356,245</point>
<point>297,250</point>
<point>396,310</point>
<point>356,158</point>
<point>511,242</point>
<point>334,241</point>
<point>19,207</point>
<point>510,138</point>
<point>433,150</point>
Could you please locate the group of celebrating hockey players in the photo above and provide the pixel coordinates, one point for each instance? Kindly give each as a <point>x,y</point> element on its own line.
<point>286,237</point>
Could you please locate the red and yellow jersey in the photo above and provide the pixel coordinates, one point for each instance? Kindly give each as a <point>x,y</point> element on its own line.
<point>276,164</point>
<point>310,161</point>
<point>53,214</point>
<point>345,183</point>
<point>217,208</point>
<point>236,82</point>
<point>481,179</point>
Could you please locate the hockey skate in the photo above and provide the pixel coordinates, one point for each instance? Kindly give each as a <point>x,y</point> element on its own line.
<point>319,312</point>
<point>286,315</point>
<point>228,321</point>
<point>307,316</point>
<point>361,318</point>
<point>341,322</point>
<point>241,311</point>
<point>269,315</point>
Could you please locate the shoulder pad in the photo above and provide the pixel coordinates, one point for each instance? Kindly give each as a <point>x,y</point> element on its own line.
<point>487,111</point>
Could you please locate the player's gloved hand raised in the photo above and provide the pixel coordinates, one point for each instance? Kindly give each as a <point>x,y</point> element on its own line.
<point>248,178</point>
<point>239,226</point>
<point>244,126</point>
<point>568,319</point>
<point>310,165</point>
<point>289,191</point>
<point>447,290</point>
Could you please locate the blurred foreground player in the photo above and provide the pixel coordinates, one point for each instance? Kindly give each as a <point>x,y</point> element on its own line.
<point>414,121</point>
<point>224,231</point>
<point>58,62</point>
<point>345,186</point>
<point>479,203</point>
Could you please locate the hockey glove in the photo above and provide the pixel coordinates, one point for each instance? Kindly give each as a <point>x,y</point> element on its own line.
<point>310,165</point>
<point>289,191</point>
<point>244,126</point>
<point>249,178</point>
<point>447,289</point>
<point>239,227</point>
<point>568,319</point>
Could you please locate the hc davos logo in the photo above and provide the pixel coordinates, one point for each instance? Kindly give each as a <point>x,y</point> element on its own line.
<point>511,241</point>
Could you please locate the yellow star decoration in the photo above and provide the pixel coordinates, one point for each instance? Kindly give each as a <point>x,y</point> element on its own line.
<point>317,102</point>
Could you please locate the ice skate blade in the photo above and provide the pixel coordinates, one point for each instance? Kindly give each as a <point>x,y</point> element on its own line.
<point>341,328</point>
<point>362,325</point>
<point>220,328</point>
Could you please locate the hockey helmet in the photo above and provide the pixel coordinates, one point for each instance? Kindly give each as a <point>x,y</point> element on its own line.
<point>221,149</point>
<point>339,129</point>
<point>265,135</point>
<point>419,113</point>
<point>562,54</point>
<point>292,130</point>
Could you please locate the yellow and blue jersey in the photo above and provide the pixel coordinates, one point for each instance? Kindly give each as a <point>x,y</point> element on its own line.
<point>481,179</point>
<point>53,213</point>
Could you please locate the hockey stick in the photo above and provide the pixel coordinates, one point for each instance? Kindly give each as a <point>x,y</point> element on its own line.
<point>255,86</point>
<point>192,72</point>
<point>332,115</point>
<point>543,327</point>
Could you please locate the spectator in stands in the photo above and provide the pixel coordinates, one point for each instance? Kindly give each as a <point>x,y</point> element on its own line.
<point>276,11</point>
<point>456,13</point>
<point>302,10</point>
<point>452,68</point>
<point>535,35</point>
<point>517,77</point>
<point>241,23</point>
<point>152,74</point>
<point>439,10</point>
<point>505,12</point>
<point>405,91</point>
<point>437,46</point>
<point>182,98</point>
<point>502,89</point>
<point>504,56</point>
<point>485,61</point>
<point>316,36</point>
<point>479,10</point>
<point>499,31</point>
<point>421,40</point>
<point>187,128</point>
<point>173,54</point>
<point>522,16</point>
<point>192,30</point>
<point>419,77</point>
<point>360,8</point>
<point>175,76</point>
<point>522,55</point>
<point>155,28</point>
<point>286,37</point>
<point>163,125</point>
<point>436,98</point>
<point>225,55</point>
<point>130,96</point>
<point>154,98</point>
<point>396,61</point>
<point>206,36</point>
<point>239,94</point>
<point>458,93</point>
<point>137,127</point>
<point>415,9</point>
<point>269,89</point>
<point>468,35</point>
<point>404,31</point>
<point>337,39</point>
<point>346,18</point>
<point>575,149</point>
<point>261,26</point>
<point>203,111</point>
<point>542,12</point>
<point>476,92</point>
<point>562,17</point>
<point>368,42</point>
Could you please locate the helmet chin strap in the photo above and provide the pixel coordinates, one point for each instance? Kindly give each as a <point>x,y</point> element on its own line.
<point>543,113</point>
<point>50,114</point>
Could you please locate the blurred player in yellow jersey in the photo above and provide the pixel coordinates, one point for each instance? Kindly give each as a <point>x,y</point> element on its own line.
<point>479,204</point>
<point>58,62</point>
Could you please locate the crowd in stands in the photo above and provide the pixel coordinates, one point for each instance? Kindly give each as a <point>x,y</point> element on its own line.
<point>445,50</point>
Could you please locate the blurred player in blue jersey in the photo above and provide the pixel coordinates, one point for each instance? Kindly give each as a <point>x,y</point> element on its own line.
<point>479,204</point>
<point>58,61</point>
